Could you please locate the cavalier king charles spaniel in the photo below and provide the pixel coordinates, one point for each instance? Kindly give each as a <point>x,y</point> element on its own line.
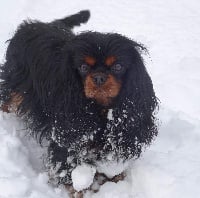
<point>88,94</point>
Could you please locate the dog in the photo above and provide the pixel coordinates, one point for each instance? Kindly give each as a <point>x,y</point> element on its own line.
<point>88,94</point>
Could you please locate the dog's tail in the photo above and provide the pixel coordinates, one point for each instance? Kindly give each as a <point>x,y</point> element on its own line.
<point>75,19</point>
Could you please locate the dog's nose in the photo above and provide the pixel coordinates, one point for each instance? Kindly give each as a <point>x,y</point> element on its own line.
<point>99,79</point>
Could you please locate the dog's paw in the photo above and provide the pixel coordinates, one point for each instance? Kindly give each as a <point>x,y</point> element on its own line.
<point>73,193</point>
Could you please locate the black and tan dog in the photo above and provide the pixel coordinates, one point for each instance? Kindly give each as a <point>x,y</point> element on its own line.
<point>88,94</point>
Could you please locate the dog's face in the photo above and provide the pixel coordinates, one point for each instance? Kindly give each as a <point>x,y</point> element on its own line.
<point>102,77</point>
<point>102,61</point>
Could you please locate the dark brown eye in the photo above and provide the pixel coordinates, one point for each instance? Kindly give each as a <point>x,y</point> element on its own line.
<point>117,68</point>
<point>84,68</point>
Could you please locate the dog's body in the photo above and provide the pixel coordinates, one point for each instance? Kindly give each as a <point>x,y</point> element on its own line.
<point>89,95</point>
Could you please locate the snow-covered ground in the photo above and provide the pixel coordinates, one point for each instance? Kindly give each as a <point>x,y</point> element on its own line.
<point>171,31</point>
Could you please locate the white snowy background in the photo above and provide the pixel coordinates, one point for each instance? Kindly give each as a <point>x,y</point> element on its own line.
<point>171,31</point>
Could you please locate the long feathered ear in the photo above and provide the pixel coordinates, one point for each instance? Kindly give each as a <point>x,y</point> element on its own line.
<point>139,85</point>
<point>59,90</point>
<point>72,87</point>
<point>138,88</point>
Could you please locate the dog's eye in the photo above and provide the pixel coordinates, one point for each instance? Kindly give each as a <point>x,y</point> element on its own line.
<point>84,68</point>
<point>117,68</point>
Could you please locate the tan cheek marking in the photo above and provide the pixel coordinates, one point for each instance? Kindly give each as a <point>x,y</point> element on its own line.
<point>89,86</point>
<point>90,60</point>
<point>112,86</point>
<point>13,104</point>
<point>110,60</point>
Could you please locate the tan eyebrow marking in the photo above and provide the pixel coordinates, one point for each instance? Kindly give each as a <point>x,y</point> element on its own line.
<point>90,60</point>
<point>110,60</point>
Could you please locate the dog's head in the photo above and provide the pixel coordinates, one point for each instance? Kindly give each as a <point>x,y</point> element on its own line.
<point>109,66</point>
<point>102,65</point>
<point>100,70</point>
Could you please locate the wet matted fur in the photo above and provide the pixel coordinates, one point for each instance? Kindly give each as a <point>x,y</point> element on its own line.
<point>88,94</point>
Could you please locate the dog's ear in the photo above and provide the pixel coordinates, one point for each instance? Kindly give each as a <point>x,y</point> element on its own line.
<point>139,84</point>
<point>73,86</point>
<point>138,88</point>
<point>64,87</point>
<point>57,87</point>
<point>59,91</point>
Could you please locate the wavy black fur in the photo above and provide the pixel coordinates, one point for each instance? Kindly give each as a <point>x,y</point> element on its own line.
<point>41,65</point>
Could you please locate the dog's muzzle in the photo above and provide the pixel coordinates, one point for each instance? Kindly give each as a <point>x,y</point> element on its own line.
<point>101,87</point>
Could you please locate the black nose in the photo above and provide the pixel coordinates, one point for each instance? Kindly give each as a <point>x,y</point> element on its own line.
<point>99,79</point>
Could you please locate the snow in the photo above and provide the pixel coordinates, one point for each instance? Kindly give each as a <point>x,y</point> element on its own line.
<point>171,166</point>
<point>113,190</point>
<point>111,168</point>
<point>82,177</point>
<point>110,114</point>
<point>21,173</point>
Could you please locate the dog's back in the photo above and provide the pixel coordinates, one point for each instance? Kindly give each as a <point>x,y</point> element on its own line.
<point>34,50</point>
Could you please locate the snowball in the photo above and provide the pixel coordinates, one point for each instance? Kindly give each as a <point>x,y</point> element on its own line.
<point>82,176</point>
